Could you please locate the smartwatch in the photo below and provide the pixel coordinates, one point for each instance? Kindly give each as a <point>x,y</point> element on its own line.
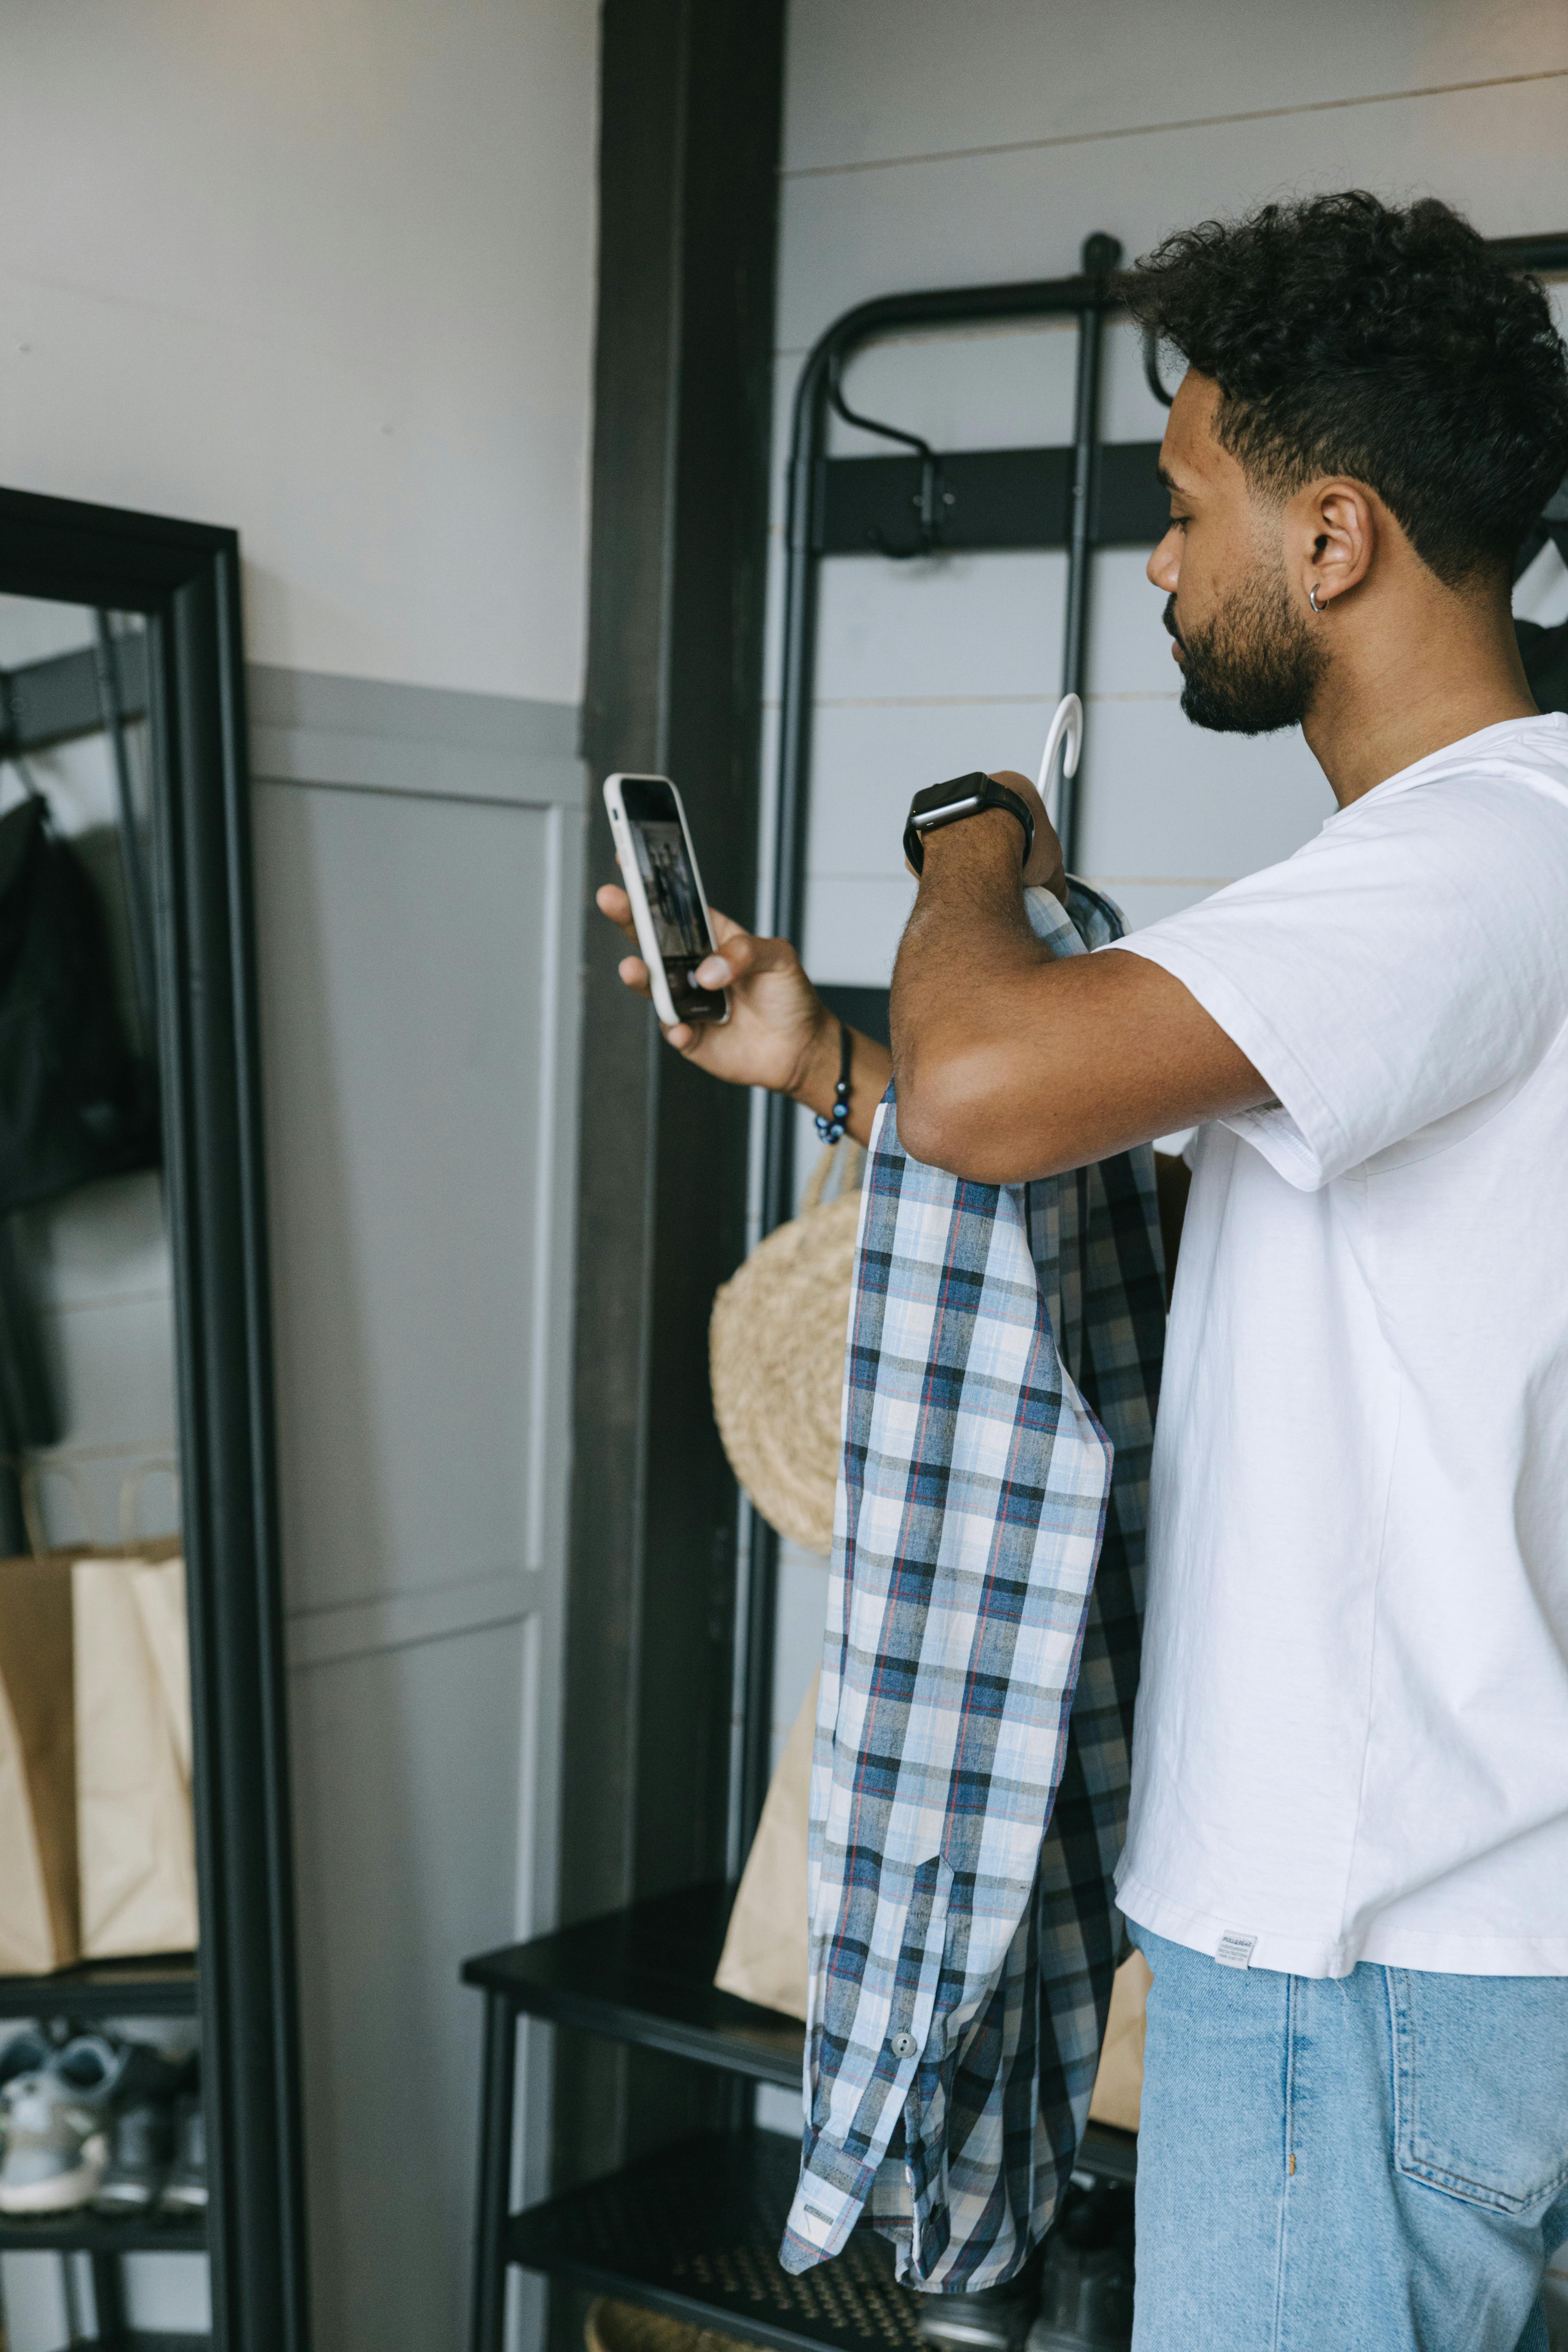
<point>964,796</point>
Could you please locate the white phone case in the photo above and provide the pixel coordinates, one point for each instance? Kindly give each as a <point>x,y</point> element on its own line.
<point>632,883</point>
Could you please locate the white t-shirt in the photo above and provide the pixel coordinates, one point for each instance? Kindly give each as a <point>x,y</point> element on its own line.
<point>1351,1737</point>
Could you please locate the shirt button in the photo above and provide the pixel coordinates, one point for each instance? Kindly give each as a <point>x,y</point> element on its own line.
<point>904,2046</point>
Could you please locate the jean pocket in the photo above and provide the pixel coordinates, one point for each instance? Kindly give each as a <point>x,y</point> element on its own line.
<point>1480,2086</point>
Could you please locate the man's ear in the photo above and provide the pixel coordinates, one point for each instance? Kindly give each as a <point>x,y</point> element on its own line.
<point>1331,532</point>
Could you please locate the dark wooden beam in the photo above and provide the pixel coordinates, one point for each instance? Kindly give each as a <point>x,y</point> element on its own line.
<point>688,196</point>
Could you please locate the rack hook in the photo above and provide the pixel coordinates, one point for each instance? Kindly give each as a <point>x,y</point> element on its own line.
<point>935,498</point>
<point>1152,367</point>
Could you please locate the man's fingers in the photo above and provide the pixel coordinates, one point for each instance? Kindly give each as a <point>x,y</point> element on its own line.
<point>634,973</point>
<point>738,959</point>
<point>613,902</point>
<point>742,955</point>
<point>722,971</point>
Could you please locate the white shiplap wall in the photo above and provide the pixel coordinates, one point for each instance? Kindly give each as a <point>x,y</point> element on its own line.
<point>324,270</point>
<point>928,146</point>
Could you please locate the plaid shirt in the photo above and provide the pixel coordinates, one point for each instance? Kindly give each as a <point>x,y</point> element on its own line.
<point>969,1782</point>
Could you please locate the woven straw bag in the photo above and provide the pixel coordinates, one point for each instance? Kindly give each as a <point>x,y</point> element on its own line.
<point>775,1349</point>
<point>625,2327</point>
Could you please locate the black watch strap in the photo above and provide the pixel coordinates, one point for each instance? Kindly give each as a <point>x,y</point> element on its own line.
<point>962,796</point>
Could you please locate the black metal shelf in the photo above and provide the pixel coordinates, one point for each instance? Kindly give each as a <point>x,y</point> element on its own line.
<point>94,2234</point>
<point>645,1976</point>
<point>159,1987</point>
<point>694,2231</point>
<point>142,2339</point>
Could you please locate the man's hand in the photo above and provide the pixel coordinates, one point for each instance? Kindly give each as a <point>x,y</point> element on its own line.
<point>1044,868</point>
<point>780,1034</point>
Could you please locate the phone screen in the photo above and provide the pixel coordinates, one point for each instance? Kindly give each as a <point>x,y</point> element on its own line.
<point>675,902</point>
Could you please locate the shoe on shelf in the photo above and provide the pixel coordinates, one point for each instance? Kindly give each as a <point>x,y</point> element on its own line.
<point>92,2066</point>
<point>148,2073</point>
<point>141,2150</point>
<point>184,2196</point>
<point>56,2117</point>
<point>55,2146</point>
<point>26,2053</point>
<point>987,2319</point>
<point>1085,2293</point>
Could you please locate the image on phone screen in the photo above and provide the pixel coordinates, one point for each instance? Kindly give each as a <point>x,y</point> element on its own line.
<point>675,902</point>
<point>671,892</point>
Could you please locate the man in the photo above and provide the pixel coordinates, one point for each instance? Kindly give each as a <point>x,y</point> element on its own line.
<point>1347,1858</point>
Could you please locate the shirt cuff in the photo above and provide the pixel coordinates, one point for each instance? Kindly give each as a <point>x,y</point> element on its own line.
<point>820,2221</point>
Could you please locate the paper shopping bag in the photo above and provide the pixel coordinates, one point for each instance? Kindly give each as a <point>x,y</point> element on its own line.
<point>764,1957</point>
<point>133,1757</point>
<point>39,1924</point>
<point>1119,2085</point>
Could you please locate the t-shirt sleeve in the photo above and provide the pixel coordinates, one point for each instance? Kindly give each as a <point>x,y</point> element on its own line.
<point>1407,963</point>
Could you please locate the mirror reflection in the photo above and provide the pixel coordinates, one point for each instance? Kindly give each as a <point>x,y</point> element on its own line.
<point>100,2110</point>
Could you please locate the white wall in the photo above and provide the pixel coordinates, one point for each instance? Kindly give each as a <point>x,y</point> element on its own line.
<point>322,270</point>
<point>325,270</point>
<point>926,145</point>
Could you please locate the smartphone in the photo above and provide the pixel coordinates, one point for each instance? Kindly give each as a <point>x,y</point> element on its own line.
<point>658,868</point>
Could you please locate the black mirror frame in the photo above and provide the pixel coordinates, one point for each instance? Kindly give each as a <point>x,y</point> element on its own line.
<point>184,578</point>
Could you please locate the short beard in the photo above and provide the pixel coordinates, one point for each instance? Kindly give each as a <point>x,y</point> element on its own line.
<point>1256,667</point>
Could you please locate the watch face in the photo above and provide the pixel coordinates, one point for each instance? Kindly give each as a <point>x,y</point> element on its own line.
<point>962,796</point>
<point>957,792</point>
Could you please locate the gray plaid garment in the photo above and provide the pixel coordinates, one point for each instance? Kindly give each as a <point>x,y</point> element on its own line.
<point>970,1778</point>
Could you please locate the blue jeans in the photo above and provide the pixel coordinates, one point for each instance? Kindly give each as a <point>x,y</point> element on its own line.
<point>1370,2163</point>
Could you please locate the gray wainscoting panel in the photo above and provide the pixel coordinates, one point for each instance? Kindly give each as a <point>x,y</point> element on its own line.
<point>408,1835</point>
<point>419,863</point>
<point>366,733</point>
<point>405,1000</point>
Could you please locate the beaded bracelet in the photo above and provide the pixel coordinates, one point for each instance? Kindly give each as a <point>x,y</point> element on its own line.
<point>835,1129</point>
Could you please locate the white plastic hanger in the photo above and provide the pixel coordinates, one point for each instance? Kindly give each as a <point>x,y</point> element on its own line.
<point>1067,736</point>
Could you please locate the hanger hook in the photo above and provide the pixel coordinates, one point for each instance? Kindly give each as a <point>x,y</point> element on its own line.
<point>1067,736</point>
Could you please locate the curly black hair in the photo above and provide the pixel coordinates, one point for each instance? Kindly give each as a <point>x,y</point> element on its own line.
<point>1349,336</point>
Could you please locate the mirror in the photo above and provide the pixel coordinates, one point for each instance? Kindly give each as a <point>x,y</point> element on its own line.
<point>102,2119</point>
<point>149,2138</point>
<point>87,1378</point>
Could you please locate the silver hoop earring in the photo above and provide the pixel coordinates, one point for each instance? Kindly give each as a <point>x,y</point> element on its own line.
<point>1312,600</point>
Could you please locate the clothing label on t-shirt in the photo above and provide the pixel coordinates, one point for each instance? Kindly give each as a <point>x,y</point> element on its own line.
<point>1234,1951</point>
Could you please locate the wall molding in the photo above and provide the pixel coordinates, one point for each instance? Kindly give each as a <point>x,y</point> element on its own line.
<point>399,1621</point>
<point>367,734</point>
